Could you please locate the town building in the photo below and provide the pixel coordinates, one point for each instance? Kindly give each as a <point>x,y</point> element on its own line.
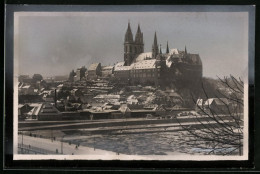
<point>44,111</point>
<point>94,71</point>
<point>107,71</point>
<point>214,105</point>
<point>26,90</point>
<point>80,74</point>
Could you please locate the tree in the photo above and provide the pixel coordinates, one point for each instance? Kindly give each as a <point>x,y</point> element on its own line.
<point>37,77</point>
<point>218,128</point>
<point>71,76</point>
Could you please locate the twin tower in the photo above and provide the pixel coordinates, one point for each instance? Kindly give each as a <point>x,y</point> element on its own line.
<point>132,48</point>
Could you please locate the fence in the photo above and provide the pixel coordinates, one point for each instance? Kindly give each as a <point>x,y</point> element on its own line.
<point>28,149</point>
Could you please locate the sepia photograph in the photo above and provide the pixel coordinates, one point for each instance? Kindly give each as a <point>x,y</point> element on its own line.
<point>133,82</point>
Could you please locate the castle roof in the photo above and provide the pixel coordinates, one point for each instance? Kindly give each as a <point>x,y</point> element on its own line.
<point>142,56</point>
<point>120,67</point>
<point>174,51</point>
<point>144,64</point>
<point>195,58</point>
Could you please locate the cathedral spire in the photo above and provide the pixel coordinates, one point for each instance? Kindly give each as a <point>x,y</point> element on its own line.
<point>139,36</point>
<point>128,34</point>
<point>155,40</point>
<point>167,48</point>
<point>155,49</point>
<point>160,49</point>
<point>185,50</point>
<point>138,29</point>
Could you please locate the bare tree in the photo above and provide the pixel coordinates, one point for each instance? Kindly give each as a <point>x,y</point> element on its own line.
<point>217,128</point>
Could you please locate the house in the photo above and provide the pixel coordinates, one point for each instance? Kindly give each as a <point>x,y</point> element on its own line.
<point>215,105</point>
<point>218,105</point>
<point>26,90</point>
<point>108,98</point>
<point>132,100</point>
<point>23,109</point>
<point>48,98</point>
<point>107,71</point>
<point>160,110</point>
<point>124,109</point>
<point>199,104</point>
<point>44,112</point>
<point>76,92</point>
<point>94,71</point>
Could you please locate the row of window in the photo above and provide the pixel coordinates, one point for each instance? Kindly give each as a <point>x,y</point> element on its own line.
<point>144,70</point>
<point>145,75</point>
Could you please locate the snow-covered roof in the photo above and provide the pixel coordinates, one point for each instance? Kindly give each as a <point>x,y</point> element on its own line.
<point>142,56</point>
<point>108,96</point>
<point>74,90</point>
<point>107,67</point>
<point>218,101</point>
<point>174,51</point>
<point>120,67</point>
<point>209,101</point>
<point>36,109</point>
<point>144,64</point>
<point>26,87</point>
<point>93,66</point>
<point>200,102</point>
<point>60,85</point>
<point>168,61</point>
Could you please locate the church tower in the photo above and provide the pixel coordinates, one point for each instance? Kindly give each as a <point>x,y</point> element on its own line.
<point>167,49</point>
<point>129,46</point>
<point>155,49</point>
<point>139,43</point>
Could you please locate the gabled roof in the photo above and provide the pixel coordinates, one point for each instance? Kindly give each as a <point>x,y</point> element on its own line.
<point>36,109</point>
<point>199,102</point>
<point>48,109</point>
<point>93,66</point>
<point>218,101</point>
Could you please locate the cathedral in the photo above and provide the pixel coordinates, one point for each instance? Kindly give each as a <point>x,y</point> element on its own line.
<point>171,67</point>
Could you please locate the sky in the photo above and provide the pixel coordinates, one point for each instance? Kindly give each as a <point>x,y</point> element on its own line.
<point>54,43</point>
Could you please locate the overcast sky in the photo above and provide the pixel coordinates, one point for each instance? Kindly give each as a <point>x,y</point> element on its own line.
<point>55,43</point>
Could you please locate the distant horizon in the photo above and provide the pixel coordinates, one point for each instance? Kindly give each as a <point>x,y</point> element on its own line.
<point>55,43</point>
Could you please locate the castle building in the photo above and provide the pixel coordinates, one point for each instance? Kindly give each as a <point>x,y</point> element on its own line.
<point>170,68</point>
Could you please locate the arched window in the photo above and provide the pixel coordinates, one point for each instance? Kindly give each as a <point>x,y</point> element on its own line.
<point>130,49</point>
<point>125,48</point>
<point>135,50</point>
